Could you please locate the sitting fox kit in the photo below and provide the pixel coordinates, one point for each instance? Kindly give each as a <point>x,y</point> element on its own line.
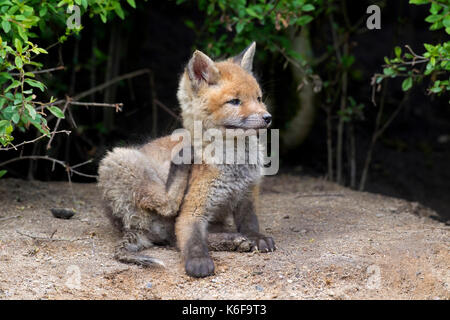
<point>154,201</point>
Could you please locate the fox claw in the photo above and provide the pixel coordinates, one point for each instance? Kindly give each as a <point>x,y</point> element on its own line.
<point>263,244</point>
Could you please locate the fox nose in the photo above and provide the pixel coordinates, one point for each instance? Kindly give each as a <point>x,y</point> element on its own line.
<point>267,118</point>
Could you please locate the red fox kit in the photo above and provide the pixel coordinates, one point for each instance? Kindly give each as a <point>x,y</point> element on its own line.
<point>155,201</point>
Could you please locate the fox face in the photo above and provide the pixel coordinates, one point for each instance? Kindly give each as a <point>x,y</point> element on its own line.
<point>223,95</point>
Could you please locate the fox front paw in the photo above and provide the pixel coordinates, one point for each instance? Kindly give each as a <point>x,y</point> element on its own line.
<point>262,243</point>
<point>199,267</point>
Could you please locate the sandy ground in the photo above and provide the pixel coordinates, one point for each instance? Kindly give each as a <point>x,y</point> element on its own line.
<point>333,243</point>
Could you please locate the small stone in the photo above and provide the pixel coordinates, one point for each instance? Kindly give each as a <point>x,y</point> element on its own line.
<point>149,285</point>
<point>259,288</point>
<point>286,217</point>
<point>62,213</point>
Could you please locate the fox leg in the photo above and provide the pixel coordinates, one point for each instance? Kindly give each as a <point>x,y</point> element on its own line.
<point>191,227</point>
<point>247,223</point>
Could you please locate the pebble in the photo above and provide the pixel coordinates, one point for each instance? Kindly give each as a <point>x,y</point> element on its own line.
<point>259,288</point>
<point>148,285</point>
<point>62,213</point>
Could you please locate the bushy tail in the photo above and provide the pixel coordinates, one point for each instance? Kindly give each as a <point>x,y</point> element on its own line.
<point>127,250</point>
<point>126,256</point>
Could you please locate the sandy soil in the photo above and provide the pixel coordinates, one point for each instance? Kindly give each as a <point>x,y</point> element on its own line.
<point>333,243</point>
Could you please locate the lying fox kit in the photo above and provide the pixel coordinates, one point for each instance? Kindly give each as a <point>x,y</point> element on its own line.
<point>157,202</point>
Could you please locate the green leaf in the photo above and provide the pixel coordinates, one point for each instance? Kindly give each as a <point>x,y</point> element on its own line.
<point>304,20</point>
<point>118,10</point>
<point>4,123</point>
<point>57,112</point>
<point>447,21</point>
<point>308,7</point>
<point>35,84</point>
<point>347,61</point>
<point>407,84</point>
<point>6,26</point>
<point>240,26</point>
<point>15,118</point>
<point>43,11</point>
<point>31,110</point>
<point>18,45</point>
<point>433,18</point>
<point>252,13</point>
<point>419,1</point>
<point>2,173</point>
<point>436,90</point>
<point>18,62</point>
<point>435,8</point>
<point>13,85</point>
<point>389,72</point>
<point>132,3</point>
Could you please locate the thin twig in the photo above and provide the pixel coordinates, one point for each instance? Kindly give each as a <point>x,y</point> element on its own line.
<point>81,164</point>
<point>320,195</point>
<point>49,144</point>
<point>294,63</point>
<point>50,239</point>
<point>34,140</point>
<point>98,88</point>
<point>42,71</point>
<point>167,109</point>
<point>7,218</point>
<point>413,53</point>
<point>110,82</point>
<point>60,162</point>
<point>117,106</point>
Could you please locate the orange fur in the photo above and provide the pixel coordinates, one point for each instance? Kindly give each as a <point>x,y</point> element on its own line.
<point>193,208</point>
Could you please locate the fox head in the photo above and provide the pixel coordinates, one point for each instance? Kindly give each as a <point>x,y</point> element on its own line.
<point>223,95</point>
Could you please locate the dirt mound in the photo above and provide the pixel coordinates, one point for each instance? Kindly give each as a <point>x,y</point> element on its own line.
<point>333,243</point>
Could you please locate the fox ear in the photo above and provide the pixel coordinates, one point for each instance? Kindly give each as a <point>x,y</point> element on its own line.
<point>245,58</point>
<point>201,69</point>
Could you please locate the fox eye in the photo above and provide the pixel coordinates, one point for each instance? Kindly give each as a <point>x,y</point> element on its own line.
<point>234,102</point>
<point>259,99</point>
